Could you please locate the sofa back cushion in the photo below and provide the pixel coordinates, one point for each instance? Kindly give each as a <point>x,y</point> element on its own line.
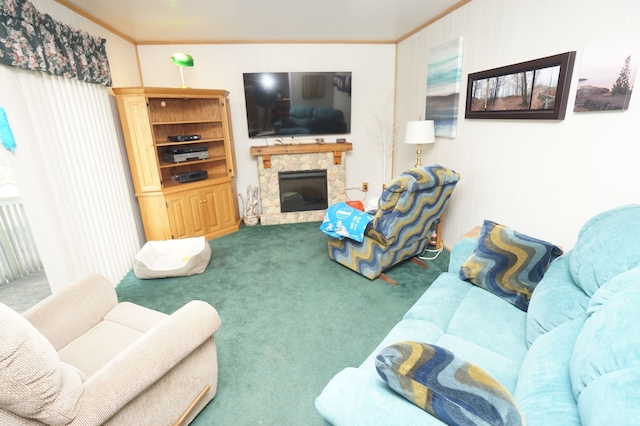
<point>605,363</point>
<point>607,245</point>
<point>35,384</point>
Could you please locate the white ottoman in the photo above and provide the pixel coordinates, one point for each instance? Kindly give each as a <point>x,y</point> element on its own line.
<point>172,258</point>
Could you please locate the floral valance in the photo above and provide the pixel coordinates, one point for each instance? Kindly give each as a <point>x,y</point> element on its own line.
<point>35,41</point>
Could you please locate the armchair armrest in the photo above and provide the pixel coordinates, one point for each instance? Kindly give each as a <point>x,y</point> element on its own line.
<point>69,313</point>
<point>146,361</point>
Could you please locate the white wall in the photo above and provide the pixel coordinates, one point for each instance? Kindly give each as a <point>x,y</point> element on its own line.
<point>544,178</point>
<point>220,66</point>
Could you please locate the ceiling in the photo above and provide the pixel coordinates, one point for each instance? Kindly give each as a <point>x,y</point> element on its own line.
<point>180,21</point>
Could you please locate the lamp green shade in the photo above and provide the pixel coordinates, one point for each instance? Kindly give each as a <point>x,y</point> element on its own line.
<point>182,59</point>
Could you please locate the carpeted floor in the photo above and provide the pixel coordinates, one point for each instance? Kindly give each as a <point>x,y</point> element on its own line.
<point>291,318</point>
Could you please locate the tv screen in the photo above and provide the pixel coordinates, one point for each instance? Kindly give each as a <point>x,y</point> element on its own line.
<point>285,104</point>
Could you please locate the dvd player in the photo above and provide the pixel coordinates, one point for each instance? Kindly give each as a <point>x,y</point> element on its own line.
<point>185,149</point>
<point>183,138</point>
<point>180,155</point>
<point>190,176</point>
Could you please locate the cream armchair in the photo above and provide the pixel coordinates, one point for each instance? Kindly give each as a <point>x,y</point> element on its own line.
<point>81,358</point>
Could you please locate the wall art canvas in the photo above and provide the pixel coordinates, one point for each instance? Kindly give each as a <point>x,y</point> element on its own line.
<point>607,75</point>
<point>444,70</point>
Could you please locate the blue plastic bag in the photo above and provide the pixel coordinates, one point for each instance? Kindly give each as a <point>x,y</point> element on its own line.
<point>343,221</point>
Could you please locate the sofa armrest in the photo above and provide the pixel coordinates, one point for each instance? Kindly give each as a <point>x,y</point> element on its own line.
<point>67,314</point>
<point>146,361</point>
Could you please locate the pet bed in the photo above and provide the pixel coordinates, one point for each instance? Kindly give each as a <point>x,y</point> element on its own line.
<point>172,258</point>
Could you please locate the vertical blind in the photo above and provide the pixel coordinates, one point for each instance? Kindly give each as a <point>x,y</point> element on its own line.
<point>70,167</point>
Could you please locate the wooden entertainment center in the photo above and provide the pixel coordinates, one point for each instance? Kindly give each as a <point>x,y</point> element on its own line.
<point>179,199</point>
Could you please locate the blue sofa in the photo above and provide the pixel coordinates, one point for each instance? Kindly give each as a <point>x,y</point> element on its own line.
<point>572,358</point>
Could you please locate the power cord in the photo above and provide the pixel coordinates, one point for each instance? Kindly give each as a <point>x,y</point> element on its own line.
<point>437,253</point>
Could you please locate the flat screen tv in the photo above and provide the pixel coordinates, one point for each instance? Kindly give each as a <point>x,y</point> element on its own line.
<point>281,104</point>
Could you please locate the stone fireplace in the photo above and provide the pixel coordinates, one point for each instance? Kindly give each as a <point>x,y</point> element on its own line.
<point>301,157</point>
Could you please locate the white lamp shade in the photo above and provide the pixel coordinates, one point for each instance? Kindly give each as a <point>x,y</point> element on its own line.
<point>420,132</point>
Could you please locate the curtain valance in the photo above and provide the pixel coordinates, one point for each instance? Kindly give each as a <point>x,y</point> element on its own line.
<point>35,41</point>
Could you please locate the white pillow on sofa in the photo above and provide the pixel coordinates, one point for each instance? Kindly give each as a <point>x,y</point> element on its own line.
<point>35,383</point>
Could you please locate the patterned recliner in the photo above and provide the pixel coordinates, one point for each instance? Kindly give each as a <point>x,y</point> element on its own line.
<point>408,212</point>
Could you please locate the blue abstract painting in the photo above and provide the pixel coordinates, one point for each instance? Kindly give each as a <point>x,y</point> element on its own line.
<point>444,70</point>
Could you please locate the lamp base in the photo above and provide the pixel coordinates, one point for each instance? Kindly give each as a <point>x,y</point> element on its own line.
<point>419,156</point>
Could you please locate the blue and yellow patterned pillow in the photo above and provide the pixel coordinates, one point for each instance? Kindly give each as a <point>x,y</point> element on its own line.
<point>446,386</point>
<point>507,263</point>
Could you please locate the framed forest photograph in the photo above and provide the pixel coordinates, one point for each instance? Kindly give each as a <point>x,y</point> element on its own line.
<point>535,89</point>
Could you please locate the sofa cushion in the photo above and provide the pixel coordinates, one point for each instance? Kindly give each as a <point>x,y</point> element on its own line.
<point>544,390</point>
<point>608,344</point>
<point>507,263</point>
<point>35,384</point>
<point>446,386</point>
<point>555,300</point>
<point>607,245</point>
<point>612,287</point>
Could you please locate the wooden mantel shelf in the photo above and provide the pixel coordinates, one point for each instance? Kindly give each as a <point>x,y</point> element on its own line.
<point>267,151</point>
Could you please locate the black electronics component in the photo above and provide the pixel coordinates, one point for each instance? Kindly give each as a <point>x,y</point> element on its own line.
<point>185,149</point>
<point>180,155</point>
<point>191,176</point>
<point>183,138</point>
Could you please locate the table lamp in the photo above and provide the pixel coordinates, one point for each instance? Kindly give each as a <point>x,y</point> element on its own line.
<point>417,133</point>
<point>182,60</point>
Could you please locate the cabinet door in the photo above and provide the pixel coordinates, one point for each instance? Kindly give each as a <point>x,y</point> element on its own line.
<point>185,214</point>
<point>139,142</point>
<point>219,208</point>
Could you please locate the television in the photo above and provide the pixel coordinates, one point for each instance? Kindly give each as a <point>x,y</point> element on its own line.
<point>288,104</point>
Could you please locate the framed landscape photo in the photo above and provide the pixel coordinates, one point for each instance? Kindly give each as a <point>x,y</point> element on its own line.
<point>535,89</point>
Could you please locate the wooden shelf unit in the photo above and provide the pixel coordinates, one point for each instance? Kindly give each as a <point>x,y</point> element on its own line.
<point>171,209</point>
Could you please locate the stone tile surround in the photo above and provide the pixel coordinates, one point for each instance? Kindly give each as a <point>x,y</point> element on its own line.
<point>297,158</point>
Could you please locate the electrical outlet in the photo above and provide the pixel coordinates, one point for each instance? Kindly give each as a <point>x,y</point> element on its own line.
<point>365,186</point>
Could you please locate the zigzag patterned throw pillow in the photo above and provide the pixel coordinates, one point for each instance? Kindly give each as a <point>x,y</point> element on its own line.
<point>446,386</point>
<point>507,263</point>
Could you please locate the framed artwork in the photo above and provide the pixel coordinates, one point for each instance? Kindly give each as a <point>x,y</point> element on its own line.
<point>606,76</point>
<point>444,70</point>
<point>535,89</point>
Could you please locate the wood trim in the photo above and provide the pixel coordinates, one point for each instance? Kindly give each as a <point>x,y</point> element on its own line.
<point>191,406</point>
<point>301,148</point>
<point>186,42</point>
<point>93,19</point>
<point>434,19</point>
<point>267,151</point>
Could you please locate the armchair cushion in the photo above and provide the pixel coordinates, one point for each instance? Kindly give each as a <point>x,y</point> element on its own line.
<point>35,383</point>
<point>446,386</point>
<point>507,263</point>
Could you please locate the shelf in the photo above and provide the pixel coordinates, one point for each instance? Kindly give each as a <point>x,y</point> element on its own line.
<point>169,123</point>
<point>165,165</point>
<point>173,186</point>
<point>194,142</point>
<point>266,151</point>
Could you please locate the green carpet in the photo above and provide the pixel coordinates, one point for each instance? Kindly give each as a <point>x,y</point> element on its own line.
<point>291,318</point>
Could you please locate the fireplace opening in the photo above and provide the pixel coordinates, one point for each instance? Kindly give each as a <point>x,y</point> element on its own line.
<point>303,190</point>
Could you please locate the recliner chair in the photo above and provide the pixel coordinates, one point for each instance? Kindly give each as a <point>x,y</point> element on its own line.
<point>408,212</point>
<point>81,358</point>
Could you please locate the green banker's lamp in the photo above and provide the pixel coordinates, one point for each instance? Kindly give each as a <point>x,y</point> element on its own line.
<point>182,60</point>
